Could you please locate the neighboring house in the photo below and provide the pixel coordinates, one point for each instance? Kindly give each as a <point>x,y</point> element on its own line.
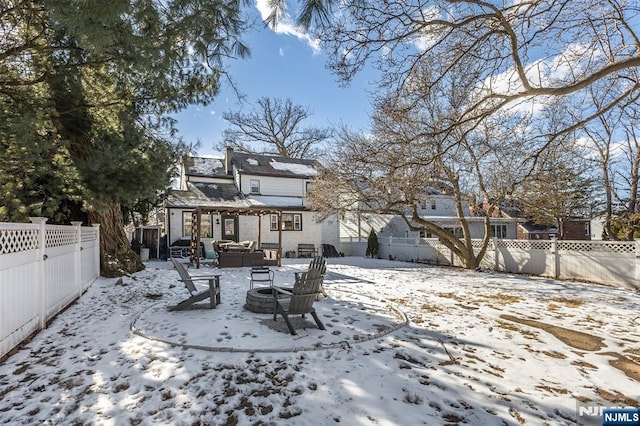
<point>577,229</point>
<point>574,229</point>
<point>240,183</point>
<point>438,207</point>
<point>533,231</point>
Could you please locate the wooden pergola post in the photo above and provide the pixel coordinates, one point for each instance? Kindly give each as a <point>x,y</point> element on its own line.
<point>280,238</point>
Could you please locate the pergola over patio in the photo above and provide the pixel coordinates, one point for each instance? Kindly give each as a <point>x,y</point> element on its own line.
<point>196,221</point>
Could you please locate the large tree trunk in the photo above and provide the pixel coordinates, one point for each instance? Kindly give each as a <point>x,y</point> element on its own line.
<point>116,256</point>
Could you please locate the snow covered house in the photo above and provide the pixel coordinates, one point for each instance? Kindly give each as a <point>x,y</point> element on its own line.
<point>248,197</point>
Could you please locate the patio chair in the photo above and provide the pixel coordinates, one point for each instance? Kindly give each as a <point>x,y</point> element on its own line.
<point>212,293</point>
<point>261,274</point>
<point>305,291</point>
<point>319,264</point>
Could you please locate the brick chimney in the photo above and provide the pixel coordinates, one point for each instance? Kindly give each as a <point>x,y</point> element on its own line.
<point>227,160</point>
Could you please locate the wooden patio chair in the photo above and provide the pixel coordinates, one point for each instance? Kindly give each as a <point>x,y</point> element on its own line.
<point>212,293</point>
<point>319,264</point>
<point>261,274</point>
<point>305,291</point>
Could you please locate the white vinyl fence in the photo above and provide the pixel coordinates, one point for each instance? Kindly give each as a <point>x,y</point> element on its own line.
<point>606,262</point>
<point>43,268</point>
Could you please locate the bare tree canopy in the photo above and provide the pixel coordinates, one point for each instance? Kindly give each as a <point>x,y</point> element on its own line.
<point>395,168</point>
<point>274,126</point>
<point>517,51</point>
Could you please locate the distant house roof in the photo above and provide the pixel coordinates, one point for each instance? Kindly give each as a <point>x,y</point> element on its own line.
<point>531,227</point>
<point>271,165</point>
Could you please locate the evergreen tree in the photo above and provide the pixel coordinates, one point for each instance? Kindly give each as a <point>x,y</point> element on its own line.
<point>372,244</point>
<point>558,191</point>
<point>83,93</point>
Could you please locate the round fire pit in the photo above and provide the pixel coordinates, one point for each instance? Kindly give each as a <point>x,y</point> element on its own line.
<point>260,300</point>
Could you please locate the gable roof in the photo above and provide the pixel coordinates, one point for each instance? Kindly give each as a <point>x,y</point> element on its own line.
<point>271,165</point>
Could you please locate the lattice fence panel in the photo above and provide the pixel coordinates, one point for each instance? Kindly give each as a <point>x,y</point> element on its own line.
<point>17,240</point>
<point>525,244</point>
<point>57,237</point>
<point>598,246</point>
<point>477,244</point>
<point>88,234</point>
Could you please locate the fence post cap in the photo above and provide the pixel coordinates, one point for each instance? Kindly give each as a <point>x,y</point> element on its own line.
<point>76,222</point>
<point>38,219</point>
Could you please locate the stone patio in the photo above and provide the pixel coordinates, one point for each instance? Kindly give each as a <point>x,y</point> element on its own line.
<point>349,319</point>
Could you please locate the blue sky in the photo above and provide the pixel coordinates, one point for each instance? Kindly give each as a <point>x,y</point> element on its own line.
<point>284,65</point>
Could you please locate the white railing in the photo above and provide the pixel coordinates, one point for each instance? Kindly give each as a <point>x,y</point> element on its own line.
<point>43,268</point>
<point>606,262</point>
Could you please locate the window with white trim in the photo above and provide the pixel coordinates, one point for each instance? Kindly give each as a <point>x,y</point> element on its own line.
<point>499,231</point>
<point>205,225</point>
<point>255,186</point>
<point>290,222</point>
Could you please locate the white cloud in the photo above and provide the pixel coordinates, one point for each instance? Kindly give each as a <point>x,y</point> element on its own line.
<point>281,51</point>
<point>424,40</point>
<point>553,71</point>
<point>212,112</point>
<point>286,26</point>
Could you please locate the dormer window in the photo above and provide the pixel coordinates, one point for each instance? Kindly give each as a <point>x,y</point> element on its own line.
<point>255,186</point>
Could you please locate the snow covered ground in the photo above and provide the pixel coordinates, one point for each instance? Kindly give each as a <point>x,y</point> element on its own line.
<point>405,344</point>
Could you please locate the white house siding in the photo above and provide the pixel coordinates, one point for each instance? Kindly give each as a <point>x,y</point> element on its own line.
<point>205,179</point>
<point>247,226</point>
<point>174,225</point>
<point>312,231</point>
<point>476,227</point>
<point>445,206</point>
<point>394,226</point>
<point>269,185</point>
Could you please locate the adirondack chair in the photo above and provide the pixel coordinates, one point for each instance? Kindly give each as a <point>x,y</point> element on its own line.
<point>212,293</point>
<point>305,291</point>
<point>318,263</point>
